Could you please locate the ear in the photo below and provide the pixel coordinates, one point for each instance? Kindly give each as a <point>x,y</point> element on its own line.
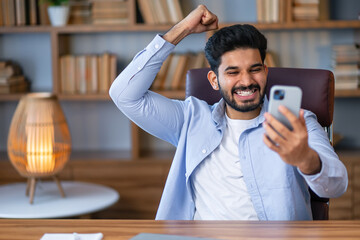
<point>266,69</point>
<point>213,80</point>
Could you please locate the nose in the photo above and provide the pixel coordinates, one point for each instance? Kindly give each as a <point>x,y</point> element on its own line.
<point>245,78</point>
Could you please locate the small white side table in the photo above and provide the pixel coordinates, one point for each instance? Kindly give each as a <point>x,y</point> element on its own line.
<point>80,199</point>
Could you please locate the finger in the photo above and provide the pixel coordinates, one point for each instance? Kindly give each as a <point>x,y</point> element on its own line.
<point>302,117</point>
<point>273,135</point>
<point>277,125</point>
<point>268,142</point>
<point>294,121</point>
<point>209,19</point>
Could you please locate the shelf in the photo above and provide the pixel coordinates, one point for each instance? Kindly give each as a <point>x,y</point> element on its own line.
<point>174,94</point>
<point>11,97</point>
<point>347,93</point>
<point>330,24</point>
<point>84,97</point>
<point>89,28</point>
<point>26,29</point>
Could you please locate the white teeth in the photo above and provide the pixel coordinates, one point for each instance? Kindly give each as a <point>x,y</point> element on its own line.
<point>245,93</point>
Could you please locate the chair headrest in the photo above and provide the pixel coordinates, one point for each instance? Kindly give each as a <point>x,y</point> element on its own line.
<point>317,86</point>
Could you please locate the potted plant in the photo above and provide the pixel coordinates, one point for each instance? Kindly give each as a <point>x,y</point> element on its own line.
<point>58,11</point>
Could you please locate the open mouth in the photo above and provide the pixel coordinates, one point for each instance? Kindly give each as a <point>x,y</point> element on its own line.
<point>245,93</point>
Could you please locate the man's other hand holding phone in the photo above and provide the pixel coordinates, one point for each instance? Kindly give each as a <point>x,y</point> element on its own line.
<point>291,145</point>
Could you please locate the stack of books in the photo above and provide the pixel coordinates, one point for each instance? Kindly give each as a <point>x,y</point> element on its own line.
<point>160,11</point>
<point>271,11</point>
<point>80,12</point>
<point>280,11</point>
<point>310,10</point>
<point>11,78</point>
<point>346,60</point>
<point>172,74</point>
<point>87,74</point>
<point>110,12</point>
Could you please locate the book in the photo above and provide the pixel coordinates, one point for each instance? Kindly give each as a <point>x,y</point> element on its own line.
<point>80,12</point>
<point>179,72</point>
<point>8,69</point>
<point>11,80</point>
<point>171,71</point>
<point>93,75</point>
<point>159,81</point>
<point>33,12</point>
<point>9,12</point>
<point>1,13</point>
<point>14,88</point>
<point>20,12</point>
<point>104,72</point>
<point>145,10</point>
<point>160,11</point>
<point>43,13</point>
<point>113,69</point>
<point>175,10</point>
<point>80,73</point>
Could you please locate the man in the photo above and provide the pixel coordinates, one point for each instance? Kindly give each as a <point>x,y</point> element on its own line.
<point>230,161</point>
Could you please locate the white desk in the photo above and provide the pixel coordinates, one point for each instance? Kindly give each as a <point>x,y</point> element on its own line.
<point>80,198</point>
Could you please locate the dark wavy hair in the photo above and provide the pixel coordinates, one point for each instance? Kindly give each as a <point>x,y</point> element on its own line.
<point>231,38</point>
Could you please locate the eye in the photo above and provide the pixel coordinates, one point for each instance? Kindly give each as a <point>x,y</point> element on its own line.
<point>258,69</point>
<point>232,72</point>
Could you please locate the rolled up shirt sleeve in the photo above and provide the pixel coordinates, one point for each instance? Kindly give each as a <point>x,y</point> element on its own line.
<point>332,180</point>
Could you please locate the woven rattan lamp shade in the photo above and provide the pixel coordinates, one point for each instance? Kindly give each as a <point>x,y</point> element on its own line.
<point>39,142</point>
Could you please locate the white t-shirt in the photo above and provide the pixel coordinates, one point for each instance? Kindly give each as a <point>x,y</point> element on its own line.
<point>219,190</point>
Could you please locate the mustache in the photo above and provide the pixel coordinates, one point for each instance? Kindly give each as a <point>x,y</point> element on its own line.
<point>243,88</point>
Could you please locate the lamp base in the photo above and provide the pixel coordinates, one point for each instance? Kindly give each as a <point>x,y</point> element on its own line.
<point>31,185</point>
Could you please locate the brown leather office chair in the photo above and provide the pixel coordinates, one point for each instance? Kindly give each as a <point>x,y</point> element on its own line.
<point>318,96</point>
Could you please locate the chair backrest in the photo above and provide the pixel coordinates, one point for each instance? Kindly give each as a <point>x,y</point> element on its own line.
<point>318,96</point>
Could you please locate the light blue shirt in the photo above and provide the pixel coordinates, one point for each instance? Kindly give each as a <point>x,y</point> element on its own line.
<point>278,190</point>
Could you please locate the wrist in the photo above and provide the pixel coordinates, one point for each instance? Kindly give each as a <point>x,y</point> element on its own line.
<point>311,164</point>
<point>176,34</point>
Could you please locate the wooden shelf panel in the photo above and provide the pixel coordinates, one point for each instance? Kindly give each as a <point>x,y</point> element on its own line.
<point>331,24</point>
<point>26,29</point>
<point>84,97</point>
<point>347,93</point>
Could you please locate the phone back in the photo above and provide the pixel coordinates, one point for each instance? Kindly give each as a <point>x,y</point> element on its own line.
<point>288,96</point>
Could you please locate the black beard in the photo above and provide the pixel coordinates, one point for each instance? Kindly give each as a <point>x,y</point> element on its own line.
<point>247,107</point>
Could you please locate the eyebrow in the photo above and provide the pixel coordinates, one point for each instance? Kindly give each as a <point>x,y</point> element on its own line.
<point>236,68</point>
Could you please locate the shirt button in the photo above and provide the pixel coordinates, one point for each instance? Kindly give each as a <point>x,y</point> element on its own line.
<point>185,174</point>
<point>139,68</point>
<point>156,46</point>
<point>203,151</point>
<point>326,190</point>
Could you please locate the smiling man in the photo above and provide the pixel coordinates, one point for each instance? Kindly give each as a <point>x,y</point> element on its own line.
<point>233,160</point>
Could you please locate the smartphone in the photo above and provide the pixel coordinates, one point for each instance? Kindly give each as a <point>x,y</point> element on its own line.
<point>288,96</point>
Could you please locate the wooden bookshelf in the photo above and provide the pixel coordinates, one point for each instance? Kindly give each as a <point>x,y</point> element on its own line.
<point>348,93</point>
<point>306,25</point>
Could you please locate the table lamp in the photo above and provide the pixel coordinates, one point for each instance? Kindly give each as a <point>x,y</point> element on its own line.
<point>39,141</point>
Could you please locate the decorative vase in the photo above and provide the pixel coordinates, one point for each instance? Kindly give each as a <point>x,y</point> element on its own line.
<point>59,15</point>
